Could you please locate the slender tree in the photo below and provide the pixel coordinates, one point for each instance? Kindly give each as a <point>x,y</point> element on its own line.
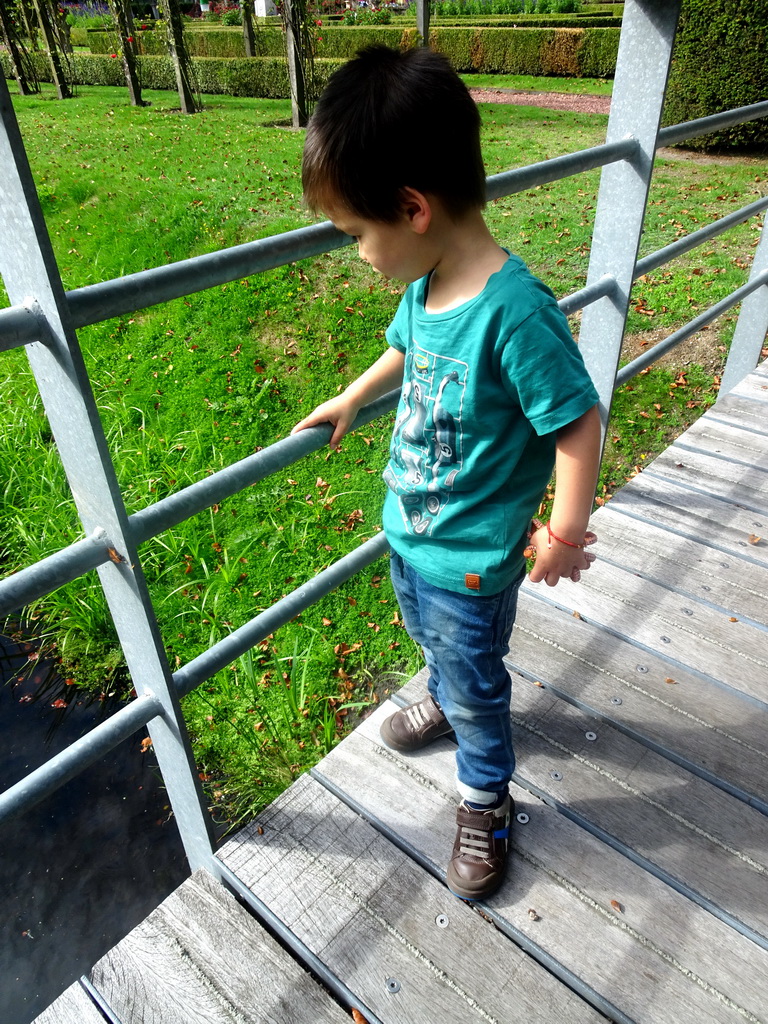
<point>249,38</point>
<point>44,18</point>
<point>300,54</point>
<point>178,53</point>
<point>23,68</point>
<point>123,15</point>
<point>28,14</point>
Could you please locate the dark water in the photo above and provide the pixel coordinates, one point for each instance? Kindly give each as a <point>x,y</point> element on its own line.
<point>81,869</point>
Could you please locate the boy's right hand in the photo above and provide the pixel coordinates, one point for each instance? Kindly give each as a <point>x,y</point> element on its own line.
<point>339,412</point>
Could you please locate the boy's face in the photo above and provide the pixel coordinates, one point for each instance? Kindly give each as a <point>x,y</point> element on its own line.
<point>395,250</point>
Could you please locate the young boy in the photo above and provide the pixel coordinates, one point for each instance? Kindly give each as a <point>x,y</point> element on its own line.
<point>494,394</point>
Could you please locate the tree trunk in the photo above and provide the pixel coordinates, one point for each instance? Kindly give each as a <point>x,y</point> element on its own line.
<point>121,11</point>
<point>22,68</point>
<point>29,17</point>
<point>296,68</point>
<point>63,90</point>
<point>248,37</point>
<point>178,54</point>
<point>422,20</point>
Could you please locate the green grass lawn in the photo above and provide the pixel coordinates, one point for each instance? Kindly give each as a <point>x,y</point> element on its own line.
<point>190,386</point>
<point>536,83</point>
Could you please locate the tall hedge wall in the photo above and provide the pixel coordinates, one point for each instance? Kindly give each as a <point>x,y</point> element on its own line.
<point>266,77</point>
<point>720,61</point>
<point>580,52</point>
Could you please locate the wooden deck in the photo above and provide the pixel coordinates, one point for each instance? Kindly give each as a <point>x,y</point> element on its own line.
<point>638,881</point>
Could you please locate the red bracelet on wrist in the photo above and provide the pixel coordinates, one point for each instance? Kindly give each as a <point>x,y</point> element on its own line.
<point>553,536</point>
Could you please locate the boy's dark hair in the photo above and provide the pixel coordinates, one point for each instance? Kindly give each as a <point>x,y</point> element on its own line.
<point>389,120</point>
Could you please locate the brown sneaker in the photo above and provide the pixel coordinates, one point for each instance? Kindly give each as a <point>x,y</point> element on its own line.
<point>479,855</point>
<point>414,727</point>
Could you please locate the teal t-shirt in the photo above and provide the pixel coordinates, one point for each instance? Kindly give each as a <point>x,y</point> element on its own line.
<point>485,388</point>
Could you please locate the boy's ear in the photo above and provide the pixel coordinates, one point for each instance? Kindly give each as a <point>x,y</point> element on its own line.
<point>417,208</point>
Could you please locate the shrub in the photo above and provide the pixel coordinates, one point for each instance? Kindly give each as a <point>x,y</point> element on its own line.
<point>598,51</point>
<point>523,51</point>
<point>247,76</point>
<point>366,17</point>
<point>719,62</point>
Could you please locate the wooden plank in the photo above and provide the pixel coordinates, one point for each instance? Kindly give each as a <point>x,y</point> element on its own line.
<point>726,440</point>
<point>72,1007</point>
<point>741,412</point>
<point>200,958</point>
<point>658,958</point>
<point>733,482</point>
<point>726,526</point>
<point>753,386</point>
<point>685,566</point>
<point>715,845</point>
<point>372,914</point>
<point>699,721</point>
<point>686,632</point>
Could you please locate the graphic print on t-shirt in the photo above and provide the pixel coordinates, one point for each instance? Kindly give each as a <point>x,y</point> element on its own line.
<point>426,453</point>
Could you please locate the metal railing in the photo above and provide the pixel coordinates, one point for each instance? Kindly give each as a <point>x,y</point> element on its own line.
<point>44,318</point>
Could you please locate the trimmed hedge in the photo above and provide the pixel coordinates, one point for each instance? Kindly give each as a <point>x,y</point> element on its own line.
<point>266,77</point>
<point>719,62</point>
<point>572,52</point>
<point>567,52</point>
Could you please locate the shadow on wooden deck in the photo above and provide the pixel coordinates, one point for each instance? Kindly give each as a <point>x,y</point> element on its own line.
<point>638,882</point>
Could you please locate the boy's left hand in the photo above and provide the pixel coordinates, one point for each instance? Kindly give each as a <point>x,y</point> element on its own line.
<point>555,561</point>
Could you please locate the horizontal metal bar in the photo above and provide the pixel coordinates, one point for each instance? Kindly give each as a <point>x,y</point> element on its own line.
<point>703,125</point>
<point>96,302</point>
<point>52,572</point>
<point>79,755</point>
<point>587,295</point>
<point>647,358</point>
<point>236,644</point>
<point>508,182</point>
<point>228,481</point>
<point>683,245</point>
<point>18,326</point>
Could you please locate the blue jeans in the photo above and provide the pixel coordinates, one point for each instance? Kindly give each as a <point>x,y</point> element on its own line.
<point>464,638</point>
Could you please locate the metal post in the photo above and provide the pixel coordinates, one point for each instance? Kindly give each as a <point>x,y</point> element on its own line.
<point>752,325</point>
<point>31,277</point>
<point>647,35</point>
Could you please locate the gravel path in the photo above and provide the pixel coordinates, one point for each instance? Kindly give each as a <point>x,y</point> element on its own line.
<point>583,104</point>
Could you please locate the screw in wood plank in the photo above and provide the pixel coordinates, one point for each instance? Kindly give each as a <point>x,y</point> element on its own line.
<point>441,921</point>
<point>616,700</point>
<point>641,668</point>
<point>393,985</point>
<point>557,776</point>
<point>522,818</point>
<point>591,736</point>
<point>687,611</point>
<point>665,640</point>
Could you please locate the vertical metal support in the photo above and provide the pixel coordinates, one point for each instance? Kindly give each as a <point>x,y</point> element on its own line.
<point>422,20</point>
<point>752,325</point>
<point>647,34</point>
<point>31,277</point>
